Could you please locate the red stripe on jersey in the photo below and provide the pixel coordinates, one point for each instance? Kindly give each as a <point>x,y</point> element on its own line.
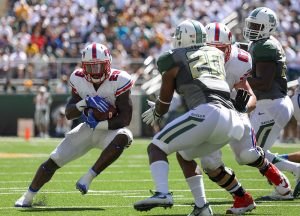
<point>94,51</point>
<point>217,32</point>
<point>124,89</point>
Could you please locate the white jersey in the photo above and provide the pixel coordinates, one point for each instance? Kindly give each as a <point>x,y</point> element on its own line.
<point>238,67</point>
<point>118,82</point>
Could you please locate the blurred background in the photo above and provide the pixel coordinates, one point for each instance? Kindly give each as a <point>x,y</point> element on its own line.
<point>41,40</point>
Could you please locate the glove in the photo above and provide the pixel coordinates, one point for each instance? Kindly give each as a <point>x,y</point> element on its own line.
<point>97,102</point>
<point>150,116</point>
<point>90,119</point>
<point>241,99</point>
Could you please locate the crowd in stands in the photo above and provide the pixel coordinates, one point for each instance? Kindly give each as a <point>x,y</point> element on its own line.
<point>35,35</point>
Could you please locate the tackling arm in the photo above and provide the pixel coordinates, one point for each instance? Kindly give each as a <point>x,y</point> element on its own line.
<point>166,91</point>
<point>265,72</point>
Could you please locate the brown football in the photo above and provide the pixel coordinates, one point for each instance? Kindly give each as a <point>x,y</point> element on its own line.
<point>102,116</point>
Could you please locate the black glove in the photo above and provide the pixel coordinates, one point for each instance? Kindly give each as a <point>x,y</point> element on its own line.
<point>241,99</point>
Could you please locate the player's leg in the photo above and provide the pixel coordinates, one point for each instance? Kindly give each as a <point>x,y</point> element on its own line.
<point>75,144</point>
<point>293,157</point>
<point>194,179</point>
<point>117,141</point>
<point>247,153</point>
<point>214,167</point>
<point>181,133</point>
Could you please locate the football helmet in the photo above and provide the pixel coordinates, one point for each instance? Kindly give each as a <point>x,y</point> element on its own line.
<point>96,61</point>
<point>261,23</point>
<point>189,33</point>
<point>220,36</point>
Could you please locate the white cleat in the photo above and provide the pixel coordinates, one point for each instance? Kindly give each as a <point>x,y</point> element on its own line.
<point>25,201</point>
<point>83,184</point>
<point>158,199</point>
<point>203,211</point>
<point>276,196</point>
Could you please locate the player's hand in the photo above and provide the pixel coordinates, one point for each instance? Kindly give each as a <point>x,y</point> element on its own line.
<point>90,119</point>
<point>150,116</point>
<point>241,99</point>
<point>97,102</point>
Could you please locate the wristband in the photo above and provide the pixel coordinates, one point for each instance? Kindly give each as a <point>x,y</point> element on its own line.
<point>163,102</point>
<point>103,125</point>
<point>81,105</point>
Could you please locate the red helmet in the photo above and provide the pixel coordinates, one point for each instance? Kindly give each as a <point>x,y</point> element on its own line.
<point>96,61</point>
<point>219,36</point>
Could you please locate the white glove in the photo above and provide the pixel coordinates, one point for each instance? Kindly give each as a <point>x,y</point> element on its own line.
<point>150,116</point>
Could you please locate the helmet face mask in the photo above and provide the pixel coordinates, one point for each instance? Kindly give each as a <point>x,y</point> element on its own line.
<point>219,36</point>
<point>260,24</point>
<point>189,33</point>
<point>96,61</point>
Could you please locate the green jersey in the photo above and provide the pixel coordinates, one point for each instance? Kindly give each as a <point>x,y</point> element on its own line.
<point>201,76</point>
<point>270,50</point>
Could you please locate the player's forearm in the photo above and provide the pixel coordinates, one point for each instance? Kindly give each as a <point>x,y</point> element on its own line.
<point>123,118</point>
<point>251,105</point>
<point>72,112</point>
<point>161,108</point>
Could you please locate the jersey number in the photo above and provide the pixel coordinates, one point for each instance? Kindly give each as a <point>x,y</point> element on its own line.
<point>242,55</point>
<point>114,76</point>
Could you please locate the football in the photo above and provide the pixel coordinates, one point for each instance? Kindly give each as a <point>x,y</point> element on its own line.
<point>102,116</point>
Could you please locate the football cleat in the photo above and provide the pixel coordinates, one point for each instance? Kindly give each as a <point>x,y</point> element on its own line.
<point>276,196</point>
<point>278,179</point>
<point>25,201</point>
<point>83,184</point>
<point>296,192</point>
<point>203,211</point>
<point>242,204</point>
<point>158,199</point>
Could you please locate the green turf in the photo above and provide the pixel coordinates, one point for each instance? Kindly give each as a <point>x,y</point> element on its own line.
<point>126,181</point>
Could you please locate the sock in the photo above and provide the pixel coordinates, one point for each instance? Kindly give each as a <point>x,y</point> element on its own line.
<point>30,193</point>
<point>281,164</point>
<point>197,188</point>
<point>93,173</point>
<point>160,171</point>
<point>284,156</point>
<point>237,190</point>
<point>30,189</point>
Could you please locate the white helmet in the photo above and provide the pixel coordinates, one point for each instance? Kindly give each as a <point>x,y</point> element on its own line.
<point>96,61</point>
<point>261,23</point>
<point>220,36</point>
<point>189,33</point>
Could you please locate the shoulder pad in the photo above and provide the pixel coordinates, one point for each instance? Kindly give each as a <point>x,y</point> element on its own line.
<point>123,80</point>
<point>75,77</point>
<point>165,62</point>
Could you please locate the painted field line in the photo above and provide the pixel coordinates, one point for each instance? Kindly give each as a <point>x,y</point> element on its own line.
<point>113,193</point>
<point>130,206</point>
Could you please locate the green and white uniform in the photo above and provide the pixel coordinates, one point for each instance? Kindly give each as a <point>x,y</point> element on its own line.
<point>211,120</point>
<point>274,108</point>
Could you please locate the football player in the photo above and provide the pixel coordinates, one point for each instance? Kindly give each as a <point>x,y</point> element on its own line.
<point>238,67</point>
<point>274,108</point>
<point>95,85</point>
<point>196,72</point>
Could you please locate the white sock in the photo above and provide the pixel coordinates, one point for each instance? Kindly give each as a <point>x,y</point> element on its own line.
<point>281,164</point>
<point>197,188</point>
<point>160,171</point>
<point>30,194</point>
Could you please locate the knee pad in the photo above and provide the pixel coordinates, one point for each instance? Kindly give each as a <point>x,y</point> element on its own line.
<point>224,178</point>
<point>261,158</point>
<point>129,135</point>
<point>209,163</point>
<point>248,156</point>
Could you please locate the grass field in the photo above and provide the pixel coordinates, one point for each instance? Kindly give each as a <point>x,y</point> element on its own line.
<point>126,181</point>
